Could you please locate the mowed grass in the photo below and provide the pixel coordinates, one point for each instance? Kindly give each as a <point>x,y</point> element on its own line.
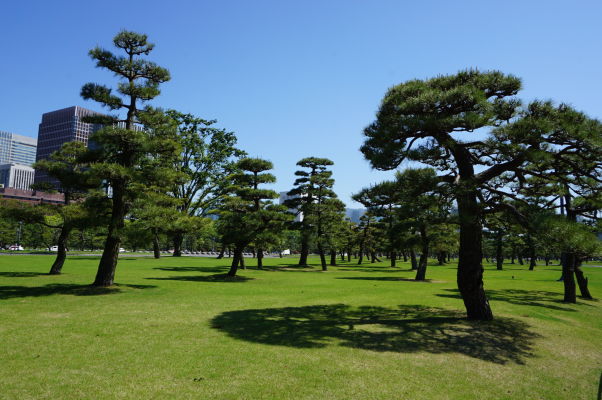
<point>173,328</point>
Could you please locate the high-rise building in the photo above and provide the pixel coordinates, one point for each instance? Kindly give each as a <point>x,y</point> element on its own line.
<point>17,149</point>
<point>59,127</point>
<point>16,176</point>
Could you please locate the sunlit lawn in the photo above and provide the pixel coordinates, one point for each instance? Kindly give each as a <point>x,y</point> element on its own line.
<point>174,329</point>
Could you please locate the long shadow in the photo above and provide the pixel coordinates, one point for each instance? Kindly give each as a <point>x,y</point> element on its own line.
<point>531,298</point>
<point>20,274</point>
<point>372,269</point>
<point>9,292</point>
<point>206,278</point>
<point>407,329</point>
<point>388,279</point>
<point>194,269</point>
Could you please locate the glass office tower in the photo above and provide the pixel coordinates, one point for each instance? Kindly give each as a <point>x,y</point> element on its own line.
<point>59,127</point>
<point>17,149</point>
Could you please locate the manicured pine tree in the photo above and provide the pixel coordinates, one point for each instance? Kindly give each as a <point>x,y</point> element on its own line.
<point>303,197</point>
<point>124,155</point>
<point>434,122</point>
<point>67,167</point>
<point>248,211</point>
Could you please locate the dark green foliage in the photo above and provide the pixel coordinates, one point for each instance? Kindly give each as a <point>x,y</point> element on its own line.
<point>136,154</point>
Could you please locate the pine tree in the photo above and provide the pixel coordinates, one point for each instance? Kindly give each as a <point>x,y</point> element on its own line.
<point>124,155</point>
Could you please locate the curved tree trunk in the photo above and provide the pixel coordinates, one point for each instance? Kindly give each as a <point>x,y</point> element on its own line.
<point>221,252</point>
<point>582,281</point>
<point>110,254</point>
<point>61,254</point>
<point>235,261</point>
<point>421,271</point>
<point>470,267</point>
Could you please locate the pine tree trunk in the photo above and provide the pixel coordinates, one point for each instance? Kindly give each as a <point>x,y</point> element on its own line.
<point>520,259</point>
<point>413,260</point>
<point>342,256</point>
<point>156,250</point>
<point>568,275</point>
<point>349,254</point>
<point>304,249</point>
<point>61,254</point>
<point>470,268</point>
<point>177,244</point>
<point>361,253</point>
<point>235,261</point>
<point>393,258</point>
<point>110,254</point>
<point>333,258</point>
<point>221,253</point>
<point>582,281</point>
<point>259,258</point>
<point>322,256</point>
<point>421,271</point>
<point>405,256</point>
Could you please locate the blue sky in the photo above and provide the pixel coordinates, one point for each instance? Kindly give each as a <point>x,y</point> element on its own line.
<point>297,78</point>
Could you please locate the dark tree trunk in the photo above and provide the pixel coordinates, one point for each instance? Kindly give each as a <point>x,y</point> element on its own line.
<point>393,258</point>
<point>253,254</point>
<point>361,253</point>
<point>110,254</point>
<point>547,260</point>
<point>260,258</point>
<point>156,250</point>
<point>568,275</point>
<point>421,271</point>
<point>582,281</point>
<point>333,258</point>
<point>470,268</point>
<point>221,252</point>
<point>520,259</point>
<point>499,255</point>
<point>322,256</point>
<point>61,254</point>
<point>235,261</point>
<point>513,256</point>
<point>342,256</point>
<point>177,245</point>
<point>405,256</point>
<point>349,254</point>
<point>304,249</point>
<point>531,248</point>
<point>413,260</point>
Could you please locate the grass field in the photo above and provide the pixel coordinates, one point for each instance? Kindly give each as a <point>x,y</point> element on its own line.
<point>173,329</point>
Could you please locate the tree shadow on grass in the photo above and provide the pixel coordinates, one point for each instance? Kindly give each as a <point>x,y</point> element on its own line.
<point>21,274</point>
<point>408,329</point>
<point>194,269</point>
<point>531,298</point>
<point>9,292</point>
<point>388,279</point>
<point>366,268</point>
<point>224,278</point>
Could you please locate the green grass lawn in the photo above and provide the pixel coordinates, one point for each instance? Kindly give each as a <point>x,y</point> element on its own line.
<point>173,329</point>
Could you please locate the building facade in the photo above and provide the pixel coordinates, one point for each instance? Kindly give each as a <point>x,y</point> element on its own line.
<point>16,176</point>
<point>17,149</point>
<point>59,127</point>
<point>31,196</point>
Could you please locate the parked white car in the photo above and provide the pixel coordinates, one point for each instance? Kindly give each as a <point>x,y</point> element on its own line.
<point>16,247</point>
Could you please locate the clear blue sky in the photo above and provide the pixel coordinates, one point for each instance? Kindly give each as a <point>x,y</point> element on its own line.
<point>297,78</point>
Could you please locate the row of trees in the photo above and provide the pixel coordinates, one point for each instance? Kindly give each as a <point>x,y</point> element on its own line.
<point>521,184</point>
